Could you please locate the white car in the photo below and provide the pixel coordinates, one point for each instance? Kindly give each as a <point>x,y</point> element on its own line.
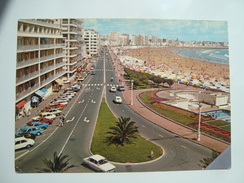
<point>22,142</point>
<point>113,89</point>
<point>47,115</point>
<point>61,101</point>
<point>99,163</point>
<point>55,111</point>
<point>117,100</point>
<point>70,94</point>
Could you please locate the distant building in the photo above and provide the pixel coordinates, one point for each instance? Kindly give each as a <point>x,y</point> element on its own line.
<point>92,42</point>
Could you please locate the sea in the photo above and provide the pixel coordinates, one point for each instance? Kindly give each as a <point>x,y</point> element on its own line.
<point>211,55</point>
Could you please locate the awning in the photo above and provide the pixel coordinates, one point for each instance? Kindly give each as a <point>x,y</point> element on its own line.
<point>59,81</point>
<point>44,90</point>
<point>21,104</point>
<point>40,93</point>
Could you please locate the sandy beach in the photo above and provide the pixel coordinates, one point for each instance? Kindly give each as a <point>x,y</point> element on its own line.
<point>165,60</point>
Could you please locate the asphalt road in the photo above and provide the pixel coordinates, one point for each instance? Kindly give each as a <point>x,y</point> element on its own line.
<point>74,138</point>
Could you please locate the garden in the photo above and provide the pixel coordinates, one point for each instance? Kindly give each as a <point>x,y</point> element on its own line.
<point>217,128</point>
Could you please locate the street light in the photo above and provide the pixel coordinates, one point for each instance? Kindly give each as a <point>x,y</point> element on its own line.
<point>199,123</point>
<point>131,97</point>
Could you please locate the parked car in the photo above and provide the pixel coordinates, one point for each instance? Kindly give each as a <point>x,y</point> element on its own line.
<point>36,124</point>
<point>55,105</point>
<point>121,88</point>
<point>99,163</point>
<point>47,115</point>
<point>63,102</point>
<point>32,129</point>
<point>63,98</point>
<point>93,72</point>
<point>113,89</point>
<point>22,142</point>
<point>117,100</point>
<point>55,111</point>
<point>41,120</point>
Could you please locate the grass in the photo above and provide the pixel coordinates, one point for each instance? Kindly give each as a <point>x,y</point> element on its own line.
<point>168,113</point>
<point>137,152</point>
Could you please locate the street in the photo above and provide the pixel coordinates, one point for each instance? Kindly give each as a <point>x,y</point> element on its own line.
<point>75,137</point>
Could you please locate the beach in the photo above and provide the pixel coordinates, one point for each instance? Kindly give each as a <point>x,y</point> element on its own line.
<point>163,59</point>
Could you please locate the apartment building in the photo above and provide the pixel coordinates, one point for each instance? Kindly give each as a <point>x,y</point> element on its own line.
<point>40,60</point>
<point>92,42</point>
<point>72,33</point>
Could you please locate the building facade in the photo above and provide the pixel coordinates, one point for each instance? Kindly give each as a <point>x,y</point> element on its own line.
<point>40,59</point>
<point>92,42</point>
<point>72,33</point>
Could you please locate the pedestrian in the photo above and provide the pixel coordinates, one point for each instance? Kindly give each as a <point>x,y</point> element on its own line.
<point>62,118</point>
<point>61,123</point>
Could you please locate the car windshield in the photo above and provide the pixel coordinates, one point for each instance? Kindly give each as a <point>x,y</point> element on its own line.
<point>103,161</point>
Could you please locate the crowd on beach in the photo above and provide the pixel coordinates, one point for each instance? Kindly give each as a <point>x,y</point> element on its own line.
<point>162,61</point>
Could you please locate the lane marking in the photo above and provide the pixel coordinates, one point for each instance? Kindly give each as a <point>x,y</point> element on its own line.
<point>184,146</point>
<point>161,135</point>
<point>143,126</point>
<point>86,120</point>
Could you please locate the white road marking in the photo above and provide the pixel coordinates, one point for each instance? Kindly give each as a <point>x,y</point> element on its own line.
<point>70,120</point>
<point>143,126</point>
<point>81,101</point>
<point>184,146</point>
<point>161,135</point>
<point>86,120</point>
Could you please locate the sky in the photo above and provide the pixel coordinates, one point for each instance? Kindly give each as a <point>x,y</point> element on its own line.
<point>183,30</point>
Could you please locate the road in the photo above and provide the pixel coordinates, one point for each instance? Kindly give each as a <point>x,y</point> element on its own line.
<point>75,137</point>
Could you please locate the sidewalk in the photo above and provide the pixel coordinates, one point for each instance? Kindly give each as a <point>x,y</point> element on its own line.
<point>169,125</point>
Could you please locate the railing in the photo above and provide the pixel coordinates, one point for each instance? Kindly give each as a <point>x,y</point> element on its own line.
<point>51,45</point>
<point>27,92</point>
<point>27,77</point>
<point>47,69</point>
<point>27,47</point>
<point>40,23</point>
<point>27,62</point>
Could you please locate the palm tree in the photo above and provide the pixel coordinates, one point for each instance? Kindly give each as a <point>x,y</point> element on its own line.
<point>123,132</point>
<point>206,161</point>
<point>58,164</point>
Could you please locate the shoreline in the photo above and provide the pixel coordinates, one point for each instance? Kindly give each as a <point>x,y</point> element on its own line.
<point>163,59</point>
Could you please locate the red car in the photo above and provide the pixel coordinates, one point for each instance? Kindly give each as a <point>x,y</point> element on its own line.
<point>42,120</point>
<point>55,105</point>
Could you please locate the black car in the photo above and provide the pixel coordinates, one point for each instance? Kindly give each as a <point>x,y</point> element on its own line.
<point>121,88</point>
<point>26,135</point>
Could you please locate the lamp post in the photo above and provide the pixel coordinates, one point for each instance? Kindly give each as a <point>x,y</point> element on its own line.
<point>131,97</point>
<point>199,123</point>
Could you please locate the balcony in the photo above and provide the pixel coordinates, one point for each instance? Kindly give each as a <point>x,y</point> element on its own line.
<point>27,92</point>
<point>27,77</point>
<point>36,22</point>
<point>47,69</point>
<point>26,63</point>
<point>51,57</point>
<point>45,46</point>
<point>27,48</point>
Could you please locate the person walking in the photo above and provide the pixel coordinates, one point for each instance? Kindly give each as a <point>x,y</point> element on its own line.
<point>62,120</point>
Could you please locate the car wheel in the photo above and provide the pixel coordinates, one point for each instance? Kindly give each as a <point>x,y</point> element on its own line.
<point>38,134</point>
<point>28,146</point>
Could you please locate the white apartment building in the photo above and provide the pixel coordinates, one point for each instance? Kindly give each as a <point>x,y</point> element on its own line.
<point>72,33</point>
<point>92,42</point>
<point>114,39</point>
<point>40,60</point>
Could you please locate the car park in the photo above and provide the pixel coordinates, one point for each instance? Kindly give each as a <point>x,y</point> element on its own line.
<point>121,88</point>
<point>117,100</point>
<point>47,115</point>
<point>22,142</point>
<point>41,120</point>
<point>32,129</point>
<point>113,89</point>
<point>36,124</point>
<point>99,163</point>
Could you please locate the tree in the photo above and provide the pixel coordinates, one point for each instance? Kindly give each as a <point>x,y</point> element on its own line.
<point>58,164</point>
<point>122,133</point>
<point>206,161</point>
<point>170,82</point>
